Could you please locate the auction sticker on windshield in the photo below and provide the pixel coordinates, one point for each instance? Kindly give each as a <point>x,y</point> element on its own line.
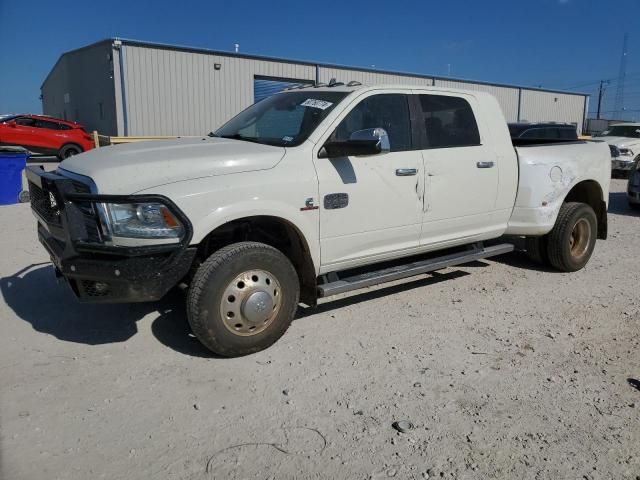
<point>321,104</point>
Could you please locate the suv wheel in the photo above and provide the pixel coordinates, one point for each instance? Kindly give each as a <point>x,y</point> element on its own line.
<point>242,298</point>
<point>68,151</point>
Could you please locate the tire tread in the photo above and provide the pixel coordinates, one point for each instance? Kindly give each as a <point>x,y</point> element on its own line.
<point>198,288</point>
<point>555,243</point>
<point>537,249</point>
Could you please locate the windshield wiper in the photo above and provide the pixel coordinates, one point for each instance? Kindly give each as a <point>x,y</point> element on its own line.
<point>237,136</point>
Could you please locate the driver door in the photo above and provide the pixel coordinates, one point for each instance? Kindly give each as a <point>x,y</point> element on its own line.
<point>22,132</point>
<point>371,205</point>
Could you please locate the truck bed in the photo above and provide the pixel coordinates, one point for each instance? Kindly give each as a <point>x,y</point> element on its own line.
<point>546,173</point>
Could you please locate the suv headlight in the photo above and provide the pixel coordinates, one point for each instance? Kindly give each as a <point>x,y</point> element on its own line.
<point>135,224</point>
<point>614,151</point>
<point>626,152</point>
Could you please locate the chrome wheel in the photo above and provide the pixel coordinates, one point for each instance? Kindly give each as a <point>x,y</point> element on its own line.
<point>250,302</point>
<point>580,238</point>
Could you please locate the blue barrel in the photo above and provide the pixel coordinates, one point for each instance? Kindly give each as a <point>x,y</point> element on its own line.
<point>12,163</point>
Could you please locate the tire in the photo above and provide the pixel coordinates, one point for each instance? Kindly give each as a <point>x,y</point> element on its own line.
<point>242,299</point>
<point>536,248</point>
<point>68,151</point>
<point>573,237</point>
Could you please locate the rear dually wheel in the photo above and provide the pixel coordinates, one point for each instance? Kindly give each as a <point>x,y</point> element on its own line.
<point>573,238</point>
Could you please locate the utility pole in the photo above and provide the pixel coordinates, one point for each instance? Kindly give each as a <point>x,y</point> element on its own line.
<point>600,94</point>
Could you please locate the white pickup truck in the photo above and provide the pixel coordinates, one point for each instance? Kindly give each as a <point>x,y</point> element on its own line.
<point>310,193</point>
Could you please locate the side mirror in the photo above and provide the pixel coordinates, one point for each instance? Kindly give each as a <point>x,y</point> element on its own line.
<point>370,141</point>
<point>12,124</point>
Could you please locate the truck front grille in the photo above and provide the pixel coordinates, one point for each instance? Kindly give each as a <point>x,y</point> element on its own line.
<point>45,204</point>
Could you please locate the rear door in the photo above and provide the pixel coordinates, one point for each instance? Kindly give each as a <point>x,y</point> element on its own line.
<point>49,136</point>
<point>461,171</point>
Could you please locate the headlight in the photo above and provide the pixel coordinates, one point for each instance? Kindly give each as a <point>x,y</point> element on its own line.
<point>627,152</point>
<point>132,224</point>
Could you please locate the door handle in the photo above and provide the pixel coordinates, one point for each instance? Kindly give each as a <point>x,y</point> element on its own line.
<point>484,164</point>
<point>406,172</point>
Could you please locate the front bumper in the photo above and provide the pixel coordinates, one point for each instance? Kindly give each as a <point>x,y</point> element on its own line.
<point>622,163</point>
<point>69,231</point>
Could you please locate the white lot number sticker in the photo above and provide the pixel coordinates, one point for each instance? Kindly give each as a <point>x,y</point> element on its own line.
<point>321,104</point>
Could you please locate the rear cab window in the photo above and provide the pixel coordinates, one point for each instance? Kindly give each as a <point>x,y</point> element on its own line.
<point>446,122</point>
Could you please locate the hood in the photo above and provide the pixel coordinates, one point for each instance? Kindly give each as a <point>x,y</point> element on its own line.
<point>129,168</point>
<point>619,141</point>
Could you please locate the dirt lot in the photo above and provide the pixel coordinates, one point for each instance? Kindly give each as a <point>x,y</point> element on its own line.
<point>506,371</point>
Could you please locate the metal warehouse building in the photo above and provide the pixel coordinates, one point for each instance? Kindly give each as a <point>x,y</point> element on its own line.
<point>127,87</point>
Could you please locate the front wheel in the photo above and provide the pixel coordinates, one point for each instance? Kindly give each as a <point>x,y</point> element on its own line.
<point>573,238</point>
<point>242,299</point>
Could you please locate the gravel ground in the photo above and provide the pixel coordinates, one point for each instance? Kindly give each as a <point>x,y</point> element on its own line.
<point>505,370</point>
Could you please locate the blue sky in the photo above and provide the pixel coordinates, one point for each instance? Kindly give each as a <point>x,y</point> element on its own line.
<point>565,44</point>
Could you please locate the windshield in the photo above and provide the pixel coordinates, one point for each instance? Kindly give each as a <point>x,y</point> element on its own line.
<point>7,118</point>
<point>285,119</point>
<point>631,131</point>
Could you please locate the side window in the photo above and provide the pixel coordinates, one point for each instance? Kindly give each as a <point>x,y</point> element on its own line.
<point>62,126</point>
<point>568,134</point>
<point>389,111</point>
<point>25,122</point>
<point>46,124</point>
<point>539,133</point>
<point>448,122</point>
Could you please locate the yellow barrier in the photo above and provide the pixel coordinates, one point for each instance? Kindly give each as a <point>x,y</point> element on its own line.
<point>103,140</point>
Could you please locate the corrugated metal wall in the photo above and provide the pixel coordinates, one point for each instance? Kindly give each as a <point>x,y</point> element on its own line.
<point>540,106</point>
<point>80,88</point>
<point>54,88</point>
<point>172,92</point>
<point>507,97</point>
<point>369,78</point>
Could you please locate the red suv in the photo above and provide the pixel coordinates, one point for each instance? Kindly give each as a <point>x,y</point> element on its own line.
<point>48,135</point>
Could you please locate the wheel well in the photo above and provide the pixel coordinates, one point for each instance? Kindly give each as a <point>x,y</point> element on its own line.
<point>590,192</point>
<point>272,231</point>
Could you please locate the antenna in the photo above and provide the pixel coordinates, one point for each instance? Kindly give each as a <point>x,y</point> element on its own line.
<point>618,105</point>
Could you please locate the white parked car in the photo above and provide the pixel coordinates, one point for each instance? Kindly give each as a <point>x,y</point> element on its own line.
<point>310,193</point>
<point>624,143</point>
